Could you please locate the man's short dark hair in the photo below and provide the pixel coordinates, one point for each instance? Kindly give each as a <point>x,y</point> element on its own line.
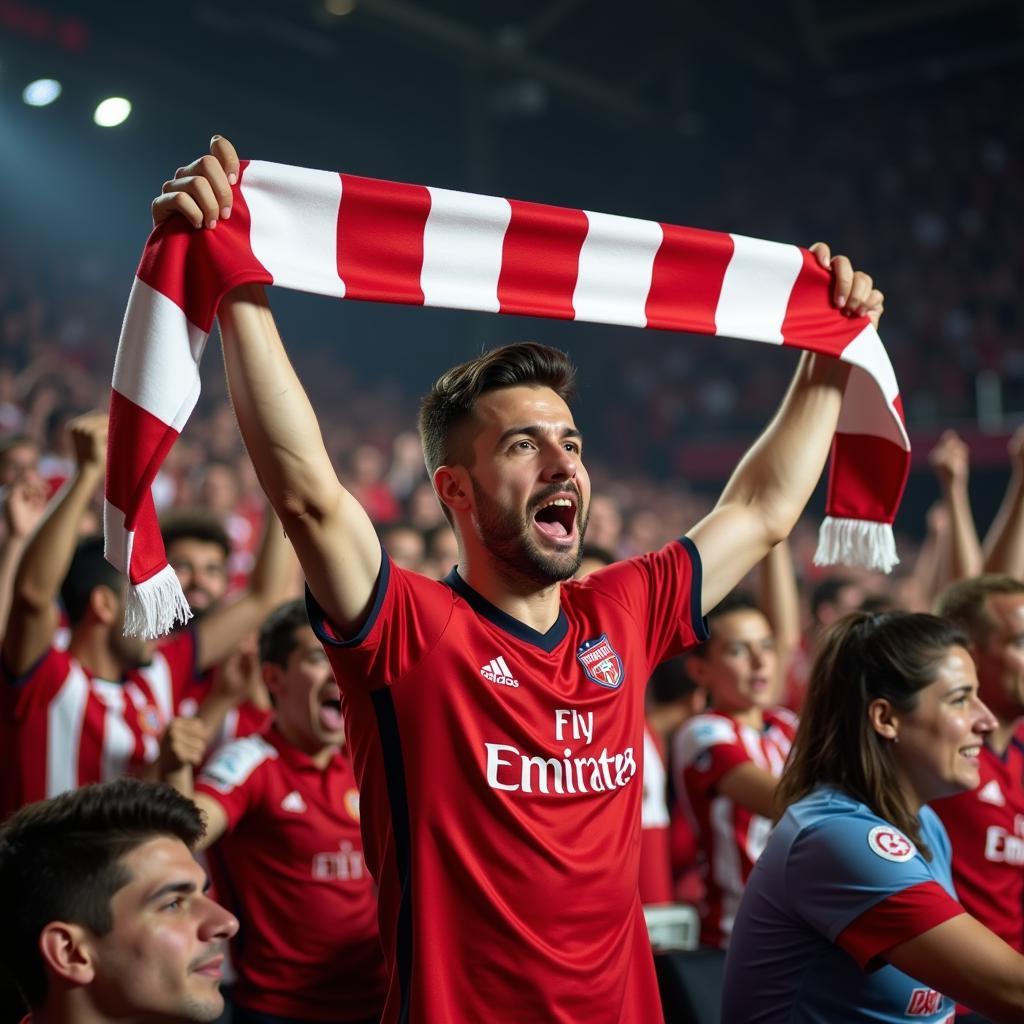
<point>966,602</point>
<point>277,634</point>
<point>60,860</point>
<point>194,524</point>
<point>451,399</point>
<point>88,570</point>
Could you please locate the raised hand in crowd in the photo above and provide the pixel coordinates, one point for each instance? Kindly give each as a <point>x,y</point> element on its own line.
<point>1004,542</point>
<point>182,745</point>
<point>47,556</point>
<point>23,505</point>
<point>950,460</point>
<point>236,686</point>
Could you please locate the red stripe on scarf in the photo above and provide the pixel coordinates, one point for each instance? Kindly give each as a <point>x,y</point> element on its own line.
<point>867,478</point>
<point>129,480</point>
<point>194,269</point>
<point>811,320</point>
<point>380,239</point>
<point>686,281</point>
<point>540,260</point>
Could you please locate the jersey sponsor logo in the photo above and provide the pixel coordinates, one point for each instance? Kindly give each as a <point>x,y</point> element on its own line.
<point>351,801</point>
<point>497,671</point>
<point>990,793</point>
<point>509,769</point>
<point>601,662</point>
<point>342,865</point>
<point>1004,847</point>
<point>294,803</point>
<point>923,1002</point>
<point>890,844</point>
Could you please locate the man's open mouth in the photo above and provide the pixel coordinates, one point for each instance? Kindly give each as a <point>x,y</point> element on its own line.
<point>331,717</point>
<point>556,518</point>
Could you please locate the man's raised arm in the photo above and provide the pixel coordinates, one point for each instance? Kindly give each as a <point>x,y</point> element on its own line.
<point>48,553</point>
<point>768,490</point>
<point>329,529</point>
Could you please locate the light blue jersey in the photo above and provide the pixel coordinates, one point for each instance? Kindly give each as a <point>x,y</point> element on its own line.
<point>828,862</point>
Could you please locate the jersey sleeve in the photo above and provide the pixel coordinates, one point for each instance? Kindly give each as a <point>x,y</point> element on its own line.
<point>233,777</point>
<point>707,748</point>
<point>864,886</point>
<point>408,616</point>
<point>38,685</point>
<point>662,590</point>
<point>179,651</point>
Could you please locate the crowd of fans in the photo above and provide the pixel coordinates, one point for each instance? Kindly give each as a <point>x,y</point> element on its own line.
<point>242,712</point>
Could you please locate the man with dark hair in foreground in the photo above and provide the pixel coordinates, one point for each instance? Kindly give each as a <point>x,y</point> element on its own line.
<point>104,908</point>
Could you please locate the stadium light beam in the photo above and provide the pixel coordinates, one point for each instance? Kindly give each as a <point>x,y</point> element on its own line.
<point>112,111</point>
<point>42,92</point>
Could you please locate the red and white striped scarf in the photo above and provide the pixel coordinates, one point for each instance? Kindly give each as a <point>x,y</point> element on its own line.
<point>361,238</point>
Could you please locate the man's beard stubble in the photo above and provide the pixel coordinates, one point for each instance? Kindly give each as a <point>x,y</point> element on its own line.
<point>506,536</point>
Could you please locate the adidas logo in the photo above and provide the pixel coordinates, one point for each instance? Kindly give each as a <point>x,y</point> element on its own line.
<point>992,794</point>
<point>293,802</point>
<point>499,672</point>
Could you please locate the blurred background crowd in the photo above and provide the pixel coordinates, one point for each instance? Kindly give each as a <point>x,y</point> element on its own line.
<point>894,134</point>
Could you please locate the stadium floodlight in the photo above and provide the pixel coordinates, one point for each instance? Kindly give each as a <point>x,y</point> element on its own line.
<point>112,111</point>
<point>42,92</point>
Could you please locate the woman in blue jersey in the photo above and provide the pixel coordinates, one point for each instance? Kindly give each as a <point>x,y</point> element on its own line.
<point>850,913</point>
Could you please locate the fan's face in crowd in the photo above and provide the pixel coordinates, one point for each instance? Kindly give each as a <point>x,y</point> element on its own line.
<point>939,741</point>
<point>202,570</point>
<point>738,664</point>
<point>531,491</point>
<point>1000,656</point>
<point>307,699</point>
<point>162,959</point>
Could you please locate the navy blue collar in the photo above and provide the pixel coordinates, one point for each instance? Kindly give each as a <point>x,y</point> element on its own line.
<point>520,630</point>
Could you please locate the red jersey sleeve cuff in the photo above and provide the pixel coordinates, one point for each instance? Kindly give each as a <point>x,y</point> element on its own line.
<point>898,918</point>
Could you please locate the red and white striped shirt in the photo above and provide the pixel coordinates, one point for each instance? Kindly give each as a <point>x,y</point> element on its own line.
<point>61,727</point>
<point>731,838</point>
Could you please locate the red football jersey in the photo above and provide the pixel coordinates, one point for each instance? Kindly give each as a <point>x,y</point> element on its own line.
<point>705,749</point>
<point>986,830</point>
<point>63,728</point>
<point>499,769</point>
<point>290,867</point>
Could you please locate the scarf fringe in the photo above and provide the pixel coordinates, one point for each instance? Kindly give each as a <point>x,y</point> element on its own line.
<point>856,542</point>
<point>155,606</point>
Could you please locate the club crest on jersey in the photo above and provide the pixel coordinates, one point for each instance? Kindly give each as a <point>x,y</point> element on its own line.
<point>890,844</point>
<point>601,662</point>
<point>149,720</point>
